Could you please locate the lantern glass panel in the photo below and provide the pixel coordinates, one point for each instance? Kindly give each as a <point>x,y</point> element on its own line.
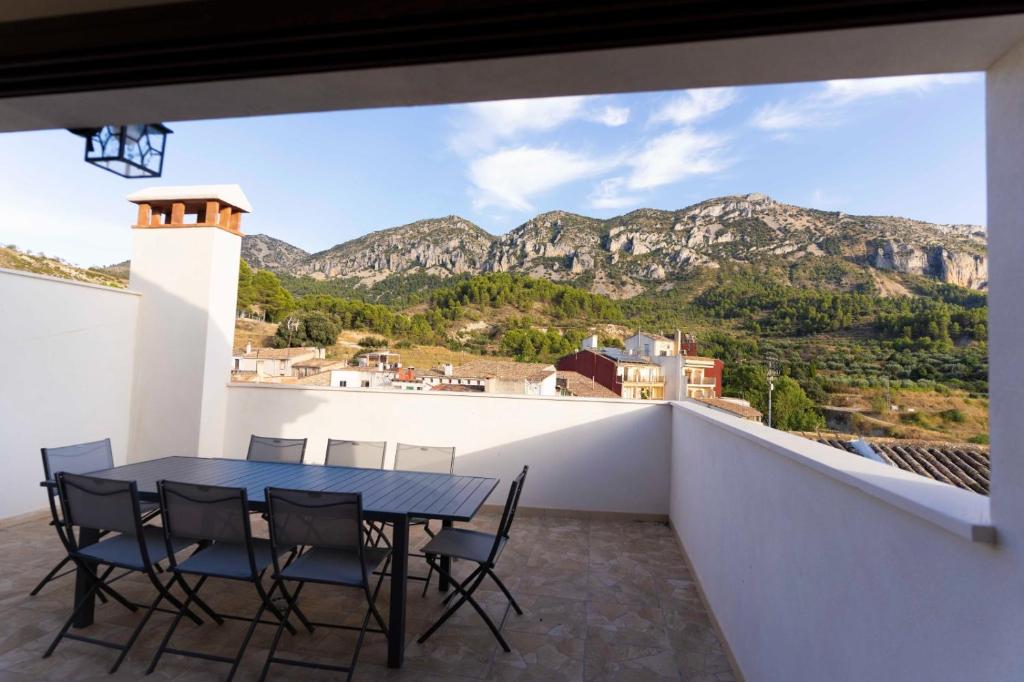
<point>131,151</point>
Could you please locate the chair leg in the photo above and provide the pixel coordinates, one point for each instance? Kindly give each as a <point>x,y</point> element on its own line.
<point>174,625</point>
<point>71,619</point>
<point>265,596</point>
<point>50,576</point>
<point>292,603</point>
<point>280,630</point>
<point>265,604</point>
<point>195,597</point>
<point>138,628</point>
<point>508,595</point>
<point>467,581</point>
<point>466,596</point>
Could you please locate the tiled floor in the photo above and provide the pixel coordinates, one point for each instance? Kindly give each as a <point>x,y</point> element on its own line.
<point>603,600</point>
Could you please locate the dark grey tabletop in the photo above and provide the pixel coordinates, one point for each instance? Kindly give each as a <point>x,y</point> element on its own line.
<point>433,496</point>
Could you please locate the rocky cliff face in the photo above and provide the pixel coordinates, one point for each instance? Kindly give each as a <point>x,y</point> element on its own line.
<point>441,246</point>
<point>266,253</point>
<point>622,255</point>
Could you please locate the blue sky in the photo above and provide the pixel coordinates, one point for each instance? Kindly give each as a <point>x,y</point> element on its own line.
<point>910,146</point>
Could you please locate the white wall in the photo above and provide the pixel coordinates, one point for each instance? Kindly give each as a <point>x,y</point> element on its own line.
<point>68,354</point>
<point>583,454</point>
<point>189,281</point>
<point>813,578</point>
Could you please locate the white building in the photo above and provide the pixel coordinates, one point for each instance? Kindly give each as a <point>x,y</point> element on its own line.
<point>495,376</point>
<point>273,362</point>
<point>361,377</point>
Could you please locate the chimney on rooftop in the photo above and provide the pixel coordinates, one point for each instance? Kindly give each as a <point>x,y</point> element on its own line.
<point>590,342</point>
<point>248,347</point>
<point>448,369</point>
<point>679,342</point>
<point>186,245</point>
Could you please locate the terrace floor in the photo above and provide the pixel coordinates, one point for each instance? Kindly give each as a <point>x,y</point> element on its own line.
<point>603,600</point>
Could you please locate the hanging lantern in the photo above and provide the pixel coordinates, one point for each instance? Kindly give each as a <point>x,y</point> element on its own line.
<point>131,151</point>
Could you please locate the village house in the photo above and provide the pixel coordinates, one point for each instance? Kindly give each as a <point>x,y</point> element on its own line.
<point>687,374</point>
<point>273,362</point>
<point>634,377</point>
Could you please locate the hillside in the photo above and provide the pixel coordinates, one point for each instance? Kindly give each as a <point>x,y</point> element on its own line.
<point>13,259</point>
<point>647,248</point>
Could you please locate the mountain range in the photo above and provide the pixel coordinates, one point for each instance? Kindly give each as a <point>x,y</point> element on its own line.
<point>628,254</point>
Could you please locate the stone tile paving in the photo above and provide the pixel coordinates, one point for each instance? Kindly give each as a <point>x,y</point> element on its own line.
<point>602,600</point>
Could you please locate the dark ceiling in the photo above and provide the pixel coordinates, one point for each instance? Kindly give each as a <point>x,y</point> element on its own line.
<point>204,41</point>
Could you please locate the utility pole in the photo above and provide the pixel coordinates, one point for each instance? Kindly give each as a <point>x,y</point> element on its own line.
<point>771,364</point>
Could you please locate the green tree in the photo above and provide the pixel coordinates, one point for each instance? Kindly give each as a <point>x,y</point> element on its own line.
<point>792,410</point>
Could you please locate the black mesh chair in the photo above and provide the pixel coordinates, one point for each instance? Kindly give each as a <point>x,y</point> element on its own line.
<point>113,506</point>
<point>330,527</point>
<point>82,458</point>
<point>218,518</point>
<point>484,549</point>
<point>360,455</point>
<point>354,453</point>
<point>287,450</point>
<point>426,459</point>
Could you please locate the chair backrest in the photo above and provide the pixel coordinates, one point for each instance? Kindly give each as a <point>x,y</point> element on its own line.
<point>426,458</point>
<point>99,503</point>
<point>508,514</point>
<point>82,458</point>
<point>353,453</point>
<point>289,450</point>
<point>205,512</point>
<point>315,519</point>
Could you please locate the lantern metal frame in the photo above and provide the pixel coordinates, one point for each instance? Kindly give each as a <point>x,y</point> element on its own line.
<point>121,140</point>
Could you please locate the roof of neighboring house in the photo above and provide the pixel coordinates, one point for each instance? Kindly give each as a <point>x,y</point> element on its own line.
<point>700,358</point>
<point>279,353</point>
<point>621,356</point>
<point>457,388</point>
<point>243,376</point>
<point>500,369</point>
<point>652,335</point>
<point>584,387</point>
<point>745,411</point>
<point>965,466</point>
<point>360,368</point>
<point>318,379</point>
<point>319,363</point>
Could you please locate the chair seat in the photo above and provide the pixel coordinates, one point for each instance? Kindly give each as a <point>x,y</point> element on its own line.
<point>224,560</point>
<point>123,550</point>
<point>461,543</point>
<point>335,566</point>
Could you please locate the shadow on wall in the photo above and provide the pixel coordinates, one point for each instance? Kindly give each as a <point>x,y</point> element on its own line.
<point>583,455</point>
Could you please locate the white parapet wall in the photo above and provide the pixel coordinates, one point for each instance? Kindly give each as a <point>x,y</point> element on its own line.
<point>584,454</point>
<point>68,351</point>
<point>820,565</point>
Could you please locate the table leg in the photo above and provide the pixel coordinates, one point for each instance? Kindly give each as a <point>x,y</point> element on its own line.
<point>399,573</point>
<point>84,579</point>
<point>446,565</point>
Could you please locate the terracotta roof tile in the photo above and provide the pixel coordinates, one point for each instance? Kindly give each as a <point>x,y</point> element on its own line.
<point>584,387</point>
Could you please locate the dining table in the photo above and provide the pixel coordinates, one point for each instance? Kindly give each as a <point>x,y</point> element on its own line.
<point>392,496</point>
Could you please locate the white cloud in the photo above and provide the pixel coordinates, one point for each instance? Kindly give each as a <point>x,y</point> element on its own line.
<point>510,178</point>
<point>488,124</point>
<point>825,106</point>
<point>611,116</point>
<point>675,156</point>
<point>609,194</point>
<point>694,105</point>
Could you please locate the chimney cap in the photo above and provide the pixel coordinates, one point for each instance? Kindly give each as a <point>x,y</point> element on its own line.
<point>230,195</point>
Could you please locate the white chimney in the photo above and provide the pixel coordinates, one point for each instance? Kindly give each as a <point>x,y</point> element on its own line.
<point>448,369</point>
<point>187,273</point>
<point>679,342</point>
<point>590,342</point>
<point>248,347</point>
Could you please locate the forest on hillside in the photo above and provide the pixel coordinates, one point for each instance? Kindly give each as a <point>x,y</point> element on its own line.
<point>825,338</point>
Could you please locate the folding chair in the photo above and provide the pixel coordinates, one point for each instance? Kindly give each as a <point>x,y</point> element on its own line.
<point>429,459</point>
<point>82,458</point>
<point>329,526</point>
<point>288,450</point>
<point>484,549</point>
<point>113,506</point>
<point>218,518</point>
<point>360,455</point>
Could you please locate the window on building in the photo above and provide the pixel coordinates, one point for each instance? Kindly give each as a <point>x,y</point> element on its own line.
<point>342,383</point>
<point>364,384</point>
